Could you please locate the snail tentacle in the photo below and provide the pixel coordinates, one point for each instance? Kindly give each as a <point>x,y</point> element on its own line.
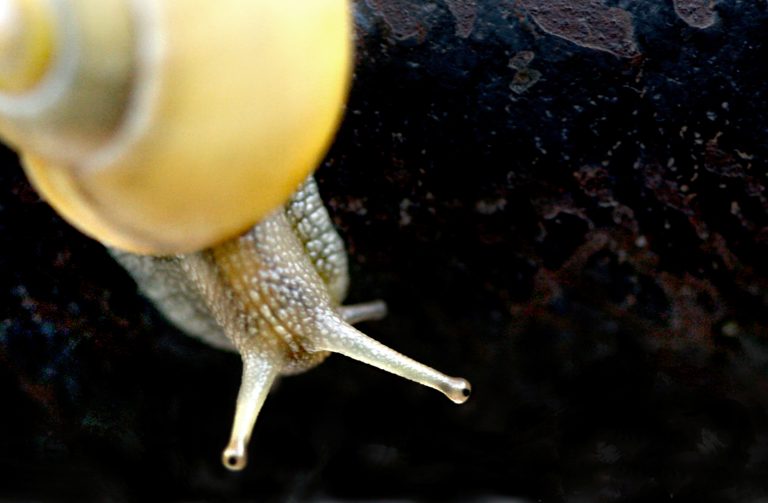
<point>259,373</point>
<point>365,311</point>
<point>336,336</point>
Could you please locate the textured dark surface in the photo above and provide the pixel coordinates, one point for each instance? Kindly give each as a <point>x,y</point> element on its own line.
<point>563,201</point>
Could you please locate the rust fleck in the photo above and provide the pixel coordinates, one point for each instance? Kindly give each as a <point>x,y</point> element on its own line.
<point>399,16</point>
<point>521,60</point>
<point>465,13</point>
<point>588,23</point>
<point>697,13</point>
<point>524,80</point>
<point>524,77</point>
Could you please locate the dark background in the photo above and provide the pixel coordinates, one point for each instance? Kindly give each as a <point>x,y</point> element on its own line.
<point>562,201</point>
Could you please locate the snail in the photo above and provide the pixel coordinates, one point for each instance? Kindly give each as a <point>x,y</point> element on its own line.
<point>182,135</point>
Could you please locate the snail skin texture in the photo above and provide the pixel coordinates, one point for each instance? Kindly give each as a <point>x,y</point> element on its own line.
<point>181,134</point>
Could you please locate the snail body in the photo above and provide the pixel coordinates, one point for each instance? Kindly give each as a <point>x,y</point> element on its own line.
<point>186,149</point>
<point>274,295</point>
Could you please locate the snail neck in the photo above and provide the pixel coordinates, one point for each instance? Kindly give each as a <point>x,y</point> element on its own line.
<point>264,292</point>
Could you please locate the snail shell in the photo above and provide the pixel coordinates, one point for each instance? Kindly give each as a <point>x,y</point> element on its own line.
<point>168,126</point>
<point>181,130</point>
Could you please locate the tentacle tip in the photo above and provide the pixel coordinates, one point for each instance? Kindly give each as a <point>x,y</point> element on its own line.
<point>457,390</point>
<point>379,310</point>
<point>234,457</point>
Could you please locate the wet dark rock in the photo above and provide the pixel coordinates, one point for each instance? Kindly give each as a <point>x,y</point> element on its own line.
<point>587,246</point>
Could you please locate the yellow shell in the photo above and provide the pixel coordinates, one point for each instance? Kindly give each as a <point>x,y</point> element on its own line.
<point>166,126</point>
